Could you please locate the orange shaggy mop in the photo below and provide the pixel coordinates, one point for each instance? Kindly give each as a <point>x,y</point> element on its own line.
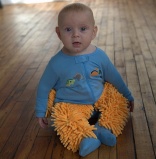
<point>71,120</point>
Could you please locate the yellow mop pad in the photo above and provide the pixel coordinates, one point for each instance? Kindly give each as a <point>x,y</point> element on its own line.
<point>71,120</point>
<point>50,103</point>
<point>113,108</point>
<point>71,123</point>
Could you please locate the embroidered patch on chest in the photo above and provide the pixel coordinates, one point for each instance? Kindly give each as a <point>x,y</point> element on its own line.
<point>96,72</point>
<point>71,82</point>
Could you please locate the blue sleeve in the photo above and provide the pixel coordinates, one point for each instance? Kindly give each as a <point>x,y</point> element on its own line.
<point>112,76</point>
<point>47,82</point>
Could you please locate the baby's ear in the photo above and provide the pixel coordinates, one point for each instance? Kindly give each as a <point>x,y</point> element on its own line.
<point>95,32</point>
<point>58,32</point>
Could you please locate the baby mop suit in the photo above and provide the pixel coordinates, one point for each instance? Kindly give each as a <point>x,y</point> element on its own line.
<point>79,80</point>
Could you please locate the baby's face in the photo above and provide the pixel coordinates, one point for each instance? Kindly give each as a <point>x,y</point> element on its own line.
<point>76,30</point>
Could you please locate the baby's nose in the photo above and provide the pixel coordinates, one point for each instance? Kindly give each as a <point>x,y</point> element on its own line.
<point>75,33</point>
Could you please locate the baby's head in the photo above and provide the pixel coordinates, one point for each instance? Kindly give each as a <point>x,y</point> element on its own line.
<point>76,29</point>
<point>73,8</point>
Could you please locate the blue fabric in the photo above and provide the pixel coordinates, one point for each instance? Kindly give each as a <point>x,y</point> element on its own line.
<point>95,114</point>
<point>105,136</point>
<point>88,145</point>
<point>78,79</point>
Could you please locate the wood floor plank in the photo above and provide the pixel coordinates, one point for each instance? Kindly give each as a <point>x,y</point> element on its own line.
<point>51,146</point>
<point>126,150</point>
<point>58,149</point>
<point>151,69</point>
<point>20,127</point>
<point>140,124</point>
<point>39,148</point>
<point>148,99</point>
<point>28,139</point>
<point>8,127</point>
<point>126,32</point>
<point>6,108</point>
<point>107,152</point>
<point>102,28</point>
<point>69,154</point>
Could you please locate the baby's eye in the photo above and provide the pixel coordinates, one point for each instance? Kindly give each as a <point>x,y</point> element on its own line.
<point>83,28</point>
<point>68,29</point>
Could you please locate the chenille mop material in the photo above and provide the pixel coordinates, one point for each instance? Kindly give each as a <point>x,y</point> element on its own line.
<point>71,123</point>
<point>71,120</point>
<point>114,109</point>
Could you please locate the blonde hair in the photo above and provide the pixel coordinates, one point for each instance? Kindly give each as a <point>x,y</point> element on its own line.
<point>75,7</point>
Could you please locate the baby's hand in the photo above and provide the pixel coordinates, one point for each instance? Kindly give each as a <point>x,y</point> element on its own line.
<point>43,122</point>
<point>131,106</point>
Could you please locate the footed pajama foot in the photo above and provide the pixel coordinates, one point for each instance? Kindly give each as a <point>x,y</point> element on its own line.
<point>88,145</point>
<point>105,135</point>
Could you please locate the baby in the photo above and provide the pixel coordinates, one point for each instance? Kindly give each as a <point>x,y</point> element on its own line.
<point>78,73</point>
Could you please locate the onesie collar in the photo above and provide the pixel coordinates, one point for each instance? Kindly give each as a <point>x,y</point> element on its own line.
<point>81,59</point>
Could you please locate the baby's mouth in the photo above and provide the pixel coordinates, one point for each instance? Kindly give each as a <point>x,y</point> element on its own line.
<point>76,44</point>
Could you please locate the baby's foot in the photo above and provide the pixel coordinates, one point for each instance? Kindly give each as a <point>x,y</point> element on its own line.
<point>105,135</point>
<point>88,145</point>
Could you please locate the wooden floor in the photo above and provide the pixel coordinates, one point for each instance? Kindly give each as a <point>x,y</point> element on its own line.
<point>127,32</point>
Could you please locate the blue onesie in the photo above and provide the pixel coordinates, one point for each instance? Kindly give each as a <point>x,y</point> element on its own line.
<point>78,79</point>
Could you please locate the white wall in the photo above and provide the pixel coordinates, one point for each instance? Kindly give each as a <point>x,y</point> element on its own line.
<point>26,1</point>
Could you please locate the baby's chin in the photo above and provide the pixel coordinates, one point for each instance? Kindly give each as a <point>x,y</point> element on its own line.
<point>79,50</point>
<point>75,51</point>
<point>87,50</point>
